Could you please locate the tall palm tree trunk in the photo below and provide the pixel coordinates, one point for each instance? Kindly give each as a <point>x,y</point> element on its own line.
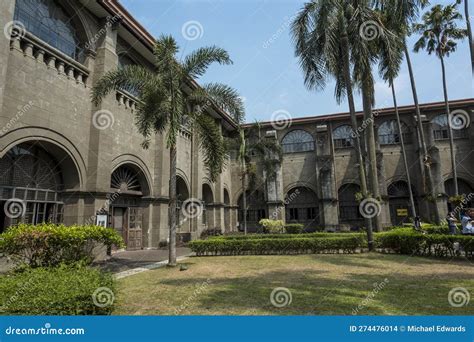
<point>469,32</point>
<point>421,134</point>
<point>172,207</point>
<point>244,195</point>
<point>404,153</point>
<point>450,131</point>
<point>374,178</point>
<point>350,99</point>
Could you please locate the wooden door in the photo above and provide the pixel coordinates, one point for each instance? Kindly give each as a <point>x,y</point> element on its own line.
<point>134,228</point>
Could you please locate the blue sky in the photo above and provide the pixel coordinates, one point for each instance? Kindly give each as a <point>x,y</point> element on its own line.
<point>265,70</point>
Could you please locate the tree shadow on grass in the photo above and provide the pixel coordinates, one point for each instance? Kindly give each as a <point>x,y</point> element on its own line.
<point>314,294</point>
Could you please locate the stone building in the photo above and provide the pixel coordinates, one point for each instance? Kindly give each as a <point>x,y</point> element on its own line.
<point>64,160</point>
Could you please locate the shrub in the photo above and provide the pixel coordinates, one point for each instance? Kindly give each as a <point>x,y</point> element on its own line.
<point>63,290</point>
<point>295,228</point>
<point>272,226</point>
<point>348,244</point>
<point>211,232</point>
<point>47,245</point>
<point>408,241</point>
<point>286,236</point>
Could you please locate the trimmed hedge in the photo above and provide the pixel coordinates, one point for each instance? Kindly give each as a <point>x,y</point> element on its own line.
<point>64,290</point>
<point>292,245</point>
<point>294,228</point>
<point>46,245</point>
<point>407,241</point>
<point>286,236</point>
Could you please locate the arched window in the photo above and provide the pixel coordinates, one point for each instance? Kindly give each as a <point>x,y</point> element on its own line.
<point>30,186</point>
<point>348,206</point>
<point>301,206</point>
<point>256,209</point>
<point>440,129</point>
<point>124,60</point>
<point>126,180</point>
<point>47,20</point>
<point>343,137</point>
<point>389,134</point>
<point>297,141</point>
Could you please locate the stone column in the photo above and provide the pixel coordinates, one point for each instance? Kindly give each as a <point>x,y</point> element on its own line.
<point>274,186</point>
<point>325,178</point>
<point>7,8</point>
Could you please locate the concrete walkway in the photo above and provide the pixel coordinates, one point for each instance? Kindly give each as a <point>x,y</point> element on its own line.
<point>127,260</point>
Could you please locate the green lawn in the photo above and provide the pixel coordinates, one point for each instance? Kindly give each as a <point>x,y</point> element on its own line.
<point>319,285</point>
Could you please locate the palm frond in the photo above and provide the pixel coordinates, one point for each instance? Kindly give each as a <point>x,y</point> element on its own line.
<point>132,76</point>
<point>197,62</point>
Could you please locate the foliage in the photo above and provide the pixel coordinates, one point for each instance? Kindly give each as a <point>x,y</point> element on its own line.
<point>286,236</point>
<point>407,241</point>
<point>272,226</point>
<point>169,97</point>
<point>294,228</point>
<point>439,31</point>
<point>211,232</point>
<point>50,244</point>
<point>292,245</point>
<point>64,290</point>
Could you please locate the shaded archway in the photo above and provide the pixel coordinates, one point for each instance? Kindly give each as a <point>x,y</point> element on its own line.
<point>399,202</point>
<point>301,205</point>
<point>256,210</point>
<point>227,227</point>
<point>348,205</point>
<point>33,178</point>
<point>208,210</point>
<point>464,188</point>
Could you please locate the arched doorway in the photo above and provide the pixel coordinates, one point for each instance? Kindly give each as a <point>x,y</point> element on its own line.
<point>399,202</point>
<point>126,210</point>
<point>208,211</point>
<point>182,194</point>
<point>256,210</point>
<point>301,206</point>
<point>349,212</point>
<point>33,178</point>
<point>463,189</point>
<point>227,227</point>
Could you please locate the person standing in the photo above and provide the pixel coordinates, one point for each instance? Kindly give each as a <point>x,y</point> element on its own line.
<point>467,222</point>
<point>451,223</point>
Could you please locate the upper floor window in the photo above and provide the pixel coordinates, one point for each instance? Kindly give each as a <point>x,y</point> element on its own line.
<point>389,134</point>
<point>123,61</point>
<point>47,20</point>
<point>297,141</point>
<point>343,137</point>
<point>440,129</point>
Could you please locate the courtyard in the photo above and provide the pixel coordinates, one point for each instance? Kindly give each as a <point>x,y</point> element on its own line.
<point>362,284</point>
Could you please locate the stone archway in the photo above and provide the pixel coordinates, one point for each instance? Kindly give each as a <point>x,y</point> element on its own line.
<point>128,187</point>
<point>227,225</point>
<point>35,175</point>
<point>208,209</point>
<point>301,206</point>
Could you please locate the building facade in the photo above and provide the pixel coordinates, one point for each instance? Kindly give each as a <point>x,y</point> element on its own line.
<point>64,160</point>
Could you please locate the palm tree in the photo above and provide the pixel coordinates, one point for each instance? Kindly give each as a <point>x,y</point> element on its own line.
<point>168,97</point>
<point>391,58</point>
<point>469,32</point>
<point>400,15</point>
<point>252,143</point>
<point>322,43</point>
<point>439,33</point>
<point>367,21</point>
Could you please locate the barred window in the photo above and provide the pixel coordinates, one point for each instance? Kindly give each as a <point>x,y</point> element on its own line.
<point>389,134</point>
<point>441,129</point>
<point>343,137</point>
<point>47,20</point>
<point>297,141</point>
